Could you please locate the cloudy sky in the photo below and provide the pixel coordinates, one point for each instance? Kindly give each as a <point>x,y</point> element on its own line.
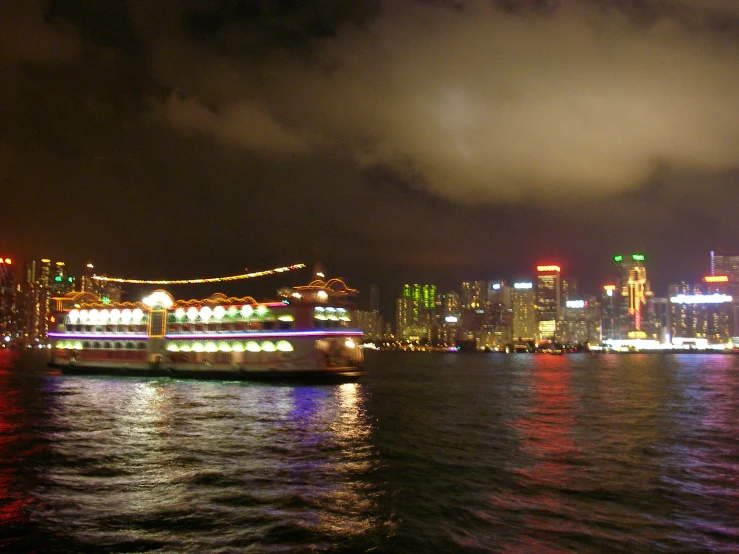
<point>437,140</point>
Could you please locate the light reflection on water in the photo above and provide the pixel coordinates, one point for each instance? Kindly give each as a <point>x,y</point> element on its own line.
<point>440,453</point>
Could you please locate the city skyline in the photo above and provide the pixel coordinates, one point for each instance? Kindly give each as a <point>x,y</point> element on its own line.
<point>24,270</point>
<point>396,142</point>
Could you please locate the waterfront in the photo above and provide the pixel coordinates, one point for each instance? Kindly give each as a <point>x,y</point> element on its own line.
<point>427,452</point>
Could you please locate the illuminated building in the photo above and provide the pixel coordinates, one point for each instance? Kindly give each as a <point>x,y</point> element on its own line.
<point>723,263</point>
<point>451,315</point>
<point>374,298</point>
<point>635,291</point>
<point>697,319</point>
<point>451,306</point>
<point>570,290</point>
<point>581,322</point>
<point>718,283</point>
<point>609,313</point>
<point>499,312</point>
<point>548,302</point>
<point>61,283</point>
<point>473,295</point>
<point>523,306</point>
<point>370,323</point>
<point>8,310</point>
<point>415,312</point>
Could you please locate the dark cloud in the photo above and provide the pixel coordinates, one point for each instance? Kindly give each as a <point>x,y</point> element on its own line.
<point>28,35</point>
<point>420,139</point>
<point>487,106</point>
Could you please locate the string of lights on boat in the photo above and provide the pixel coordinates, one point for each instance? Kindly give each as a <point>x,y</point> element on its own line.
<point>201,280</point>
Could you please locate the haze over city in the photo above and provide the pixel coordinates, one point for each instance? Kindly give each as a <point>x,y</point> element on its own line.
<point>416,141</point>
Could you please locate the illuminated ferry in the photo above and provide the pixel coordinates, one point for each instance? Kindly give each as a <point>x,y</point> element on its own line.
<point>306,332</point>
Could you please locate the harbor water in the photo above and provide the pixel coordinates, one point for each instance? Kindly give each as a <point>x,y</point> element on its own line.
<point>428,452</point>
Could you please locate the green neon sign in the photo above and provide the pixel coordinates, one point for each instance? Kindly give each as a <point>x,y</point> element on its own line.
<point>637,257</point>
<point>618,258</point>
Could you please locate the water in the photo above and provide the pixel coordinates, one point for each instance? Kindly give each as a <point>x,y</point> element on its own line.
<point>427,453</point>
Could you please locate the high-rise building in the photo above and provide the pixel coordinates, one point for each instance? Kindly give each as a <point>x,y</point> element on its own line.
<point>726,264</point>
<point>499,312</point>
<point>473,295</point>
<point>374,298</point>
<point>610,325</point>
<point>635,292</point>
<point>370,323</point>
<point>43,295</point>
<point>8,308</point>
<point>523,303</point>
<point>109,293</point>
<point>570,290</point>
<point>451,304</point>
<point>548,300</point>
<point>699,319</point>
<point>62,283</point>
<point>415,312</point>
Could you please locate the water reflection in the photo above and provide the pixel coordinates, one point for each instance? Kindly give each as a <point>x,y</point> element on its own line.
<point>547,453</point>
<point>194,453</point>
<point>13,499</point>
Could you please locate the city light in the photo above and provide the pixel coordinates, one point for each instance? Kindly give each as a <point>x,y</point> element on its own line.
<point>7,261</point>
<point>716,279</point>
<point>575,303</point>
<point>637,257</point>
<point>700,299</point>
<point>545,268</point>
<point>618,258</point>
<point>522,285</point>
<point>201,280</point>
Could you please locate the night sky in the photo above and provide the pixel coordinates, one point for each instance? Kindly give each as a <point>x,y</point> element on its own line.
<point>407,140</point>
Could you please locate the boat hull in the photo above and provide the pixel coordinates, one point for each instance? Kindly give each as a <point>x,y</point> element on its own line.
<point>336,374</point>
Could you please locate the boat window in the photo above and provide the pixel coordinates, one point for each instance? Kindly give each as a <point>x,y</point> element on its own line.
<point>268,325</point>
<point>286,325</point>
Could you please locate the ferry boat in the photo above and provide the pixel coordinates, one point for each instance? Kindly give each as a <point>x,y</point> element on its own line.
<point>305,333</point>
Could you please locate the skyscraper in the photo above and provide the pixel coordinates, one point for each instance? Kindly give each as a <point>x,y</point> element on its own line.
<point>473,295</point>
<point>8,310</point>
<point>548,300</point>
<point>62,283</point>
<point>523,303</point>
<point>635,291</point>
<point>723,263</point>
<point>415,311</point>
<point>374,298</point>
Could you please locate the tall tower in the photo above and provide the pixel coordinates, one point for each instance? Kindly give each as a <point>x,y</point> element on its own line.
<point>523,303</point>
<point>635,291</point>
<point>8,310</point>
<point>548,299</point>
<point>43,296</point>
